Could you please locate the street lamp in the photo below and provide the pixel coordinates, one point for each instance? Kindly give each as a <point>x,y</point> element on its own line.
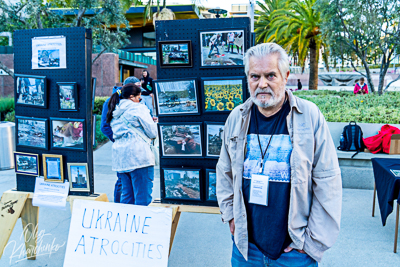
<point>217,11</point>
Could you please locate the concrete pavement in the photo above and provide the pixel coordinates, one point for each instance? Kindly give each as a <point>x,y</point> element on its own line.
<point>203,240</point>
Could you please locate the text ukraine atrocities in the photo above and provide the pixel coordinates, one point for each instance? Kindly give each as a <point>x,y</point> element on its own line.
<point>104,233</point>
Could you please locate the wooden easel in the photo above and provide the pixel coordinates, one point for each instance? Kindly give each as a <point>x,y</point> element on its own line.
<point>176,214</point>
<point>18,204</point>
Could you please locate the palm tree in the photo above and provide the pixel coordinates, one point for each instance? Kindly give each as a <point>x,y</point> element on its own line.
<point>296,27</point>
<point>262,18</point>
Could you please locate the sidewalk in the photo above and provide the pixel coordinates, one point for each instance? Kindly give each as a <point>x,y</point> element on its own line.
<point>203,240</point>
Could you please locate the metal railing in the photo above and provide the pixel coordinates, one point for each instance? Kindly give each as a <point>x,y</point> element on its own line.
<point>137,58</point>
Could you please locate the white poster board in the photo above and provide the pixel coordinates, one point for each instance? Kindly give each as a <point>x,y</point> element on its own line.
<point>49,52</point>
<point>110,234</point>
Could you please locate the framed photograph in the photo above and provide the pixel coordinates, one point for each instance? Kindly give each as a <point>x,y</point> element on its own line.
<point>68,134</point>
<point>68,96</point>
<point>182,184</point>
<point>53,168</point>
<point>211,183</point>
<point>49,52</point>
<point>78,176</point>
<point>30,91</point>
<point>31,132</point>
<point>213,134</point>
<point>26,163</point>
<point>176,97</point>
<point>175,54</point>
<point>222,94</point>
<point>180,140</point>
<point>222,48</point>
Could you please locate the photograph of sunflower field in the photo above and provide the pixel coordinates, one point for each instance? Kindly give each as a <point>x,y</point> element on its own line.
<point>222,95</point>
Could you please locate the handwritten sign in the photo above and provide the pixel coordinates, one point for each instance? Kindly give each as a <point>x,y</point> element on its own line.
<point>109,234</point>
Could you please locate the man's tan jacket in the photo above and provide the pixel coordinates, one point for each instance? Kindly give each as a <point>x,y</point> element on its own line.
<point>316,184</point>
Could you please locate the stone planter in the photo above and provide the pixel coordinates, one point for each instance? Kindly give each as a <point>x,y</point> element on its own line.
<point>7,145</point>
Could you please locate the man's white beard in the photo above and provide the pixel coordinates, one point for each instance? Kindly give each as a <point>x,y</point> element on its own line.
<point>273,101</point>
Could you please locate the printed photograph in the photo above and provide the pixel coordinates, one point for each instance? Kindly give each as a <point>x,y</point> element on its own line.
<point>53,168</point>
<point>78,177</point>
<point>181,140</point>
<point>68,96</point>
<point>222,48</point>
<point>30,91</point>
<point>67,134</point>
<point>49,58</point>
<point>27,164</point>
<point>222,95</point>
<point>176,53</point>
<point>31,132</point>
<point>182,184</point>
<point>211,184</point>
<point>176,97</point>
<point>214,139</point>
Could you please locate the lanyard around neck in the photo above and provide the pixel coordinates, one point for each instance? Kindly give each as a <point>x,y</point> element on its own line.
<point>272,135</point>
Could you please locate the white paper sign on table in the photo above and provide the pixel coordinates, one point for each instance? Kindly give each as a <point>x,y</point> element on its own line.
<point>110,234</point>
<point>50,194</point>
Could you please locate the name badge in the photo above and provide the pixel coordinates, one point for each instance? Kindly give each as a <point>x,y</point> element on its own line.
<point>259,189</point>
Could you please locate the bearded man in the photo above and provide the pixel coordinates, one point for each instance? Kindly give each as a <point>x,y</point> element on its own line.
<point>278,179</point>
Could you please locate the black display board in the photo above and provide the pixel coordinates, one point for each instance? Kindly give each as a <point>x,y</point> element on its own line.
<point>177,30</point>
<point>79,70</point>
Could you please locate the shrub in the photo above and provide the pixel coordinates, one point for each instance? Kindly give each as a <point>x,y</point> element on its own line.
<point>6,104</point>
<point>98,104</point>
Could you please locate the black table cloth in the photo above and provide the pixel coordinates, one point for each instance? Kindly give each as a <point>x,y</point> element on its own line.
<point>387,185</point>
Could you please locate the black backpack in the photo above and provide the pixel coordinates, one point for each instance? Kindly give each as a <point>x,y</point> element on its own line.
<point>352,138</point>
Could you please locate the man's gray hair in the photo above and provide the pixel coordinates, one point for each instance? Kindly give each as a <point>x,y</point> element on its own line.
<point>262,50</point>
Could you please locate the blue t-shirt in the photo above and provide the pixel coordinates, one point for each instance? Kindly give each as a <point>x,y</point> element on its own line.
<point>268,225</point>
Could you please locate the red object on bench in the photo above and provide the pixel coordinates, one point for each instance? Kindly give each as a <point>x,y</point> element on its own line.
<point>381,141</point>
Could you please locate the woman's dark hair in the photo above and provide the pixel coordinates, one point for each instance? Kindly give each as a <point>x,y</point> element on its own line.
<point>126,91</point>
<point>362,79</point>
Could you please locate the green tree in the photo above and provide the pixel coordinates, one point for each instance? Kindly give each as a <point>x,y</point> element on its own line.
<point>367,28</point>
<point>105,18</point>
<point>262,18</point>
<point>296,27</point>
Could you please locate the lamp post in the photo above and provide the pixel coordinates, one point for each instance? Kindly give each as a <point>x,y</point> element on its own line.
<point>217,11</point>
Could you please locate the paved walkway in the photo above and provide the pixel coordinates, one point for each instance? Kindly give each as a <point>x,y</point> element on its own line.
<point>203,240</point>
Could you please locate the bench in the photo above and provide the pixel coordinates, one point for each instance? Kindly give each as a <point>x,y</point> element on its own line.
<point>357,172</point>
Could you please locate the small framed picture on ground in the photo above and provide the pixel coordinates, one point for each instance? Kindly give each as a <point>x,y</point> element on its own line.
<point>78,177</point>
<point>181,140</point>
<point>30,91</point>
<point>68,134</point>
<point>53,168</point>
<point>26,163</point>
<point>222,94</point>
<point>68,96</point>
<point>31,132</point>
<point>222,48</point>
<point>211,183</point>
<point>213,136</point>
<point>175,54</point>
<point>176,97</point>
<point>181,184</point>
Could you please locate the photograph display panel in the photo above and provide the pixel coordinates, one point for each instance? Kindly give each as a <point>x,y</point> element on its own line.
<point>49,52</point>
<point>31,132</point>
<point>26,163</point>
<point>213,134</point>
<point>177,97</point>
<point>30,90</point>
<point>181,140</point>
<point>68,96</point>
<point>222,48</point>
<point>182,184</point>
<point>53,168</point>
<point>175,54</point>
<point>222,94</point>
<point>211,183</point>
<point>68,134</point>
<point>78,177</point>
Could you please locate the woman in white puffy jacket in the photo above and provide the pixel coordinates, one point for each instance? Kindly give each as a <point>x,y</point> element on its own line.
<point>133,130</point>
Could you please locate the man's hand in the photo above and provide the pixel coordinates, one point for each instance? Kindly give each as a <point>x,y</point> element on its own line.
<point>155,119</point>
<point>232,226</point>
<point>288,249</point>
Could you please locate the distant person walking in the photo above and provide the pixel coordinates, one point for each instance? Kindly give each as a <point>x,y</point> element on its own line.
<point>361,87</point>
<point>299,85</point>
<point>107,131</point>
<point>133,129</point>
<point>147,94</point>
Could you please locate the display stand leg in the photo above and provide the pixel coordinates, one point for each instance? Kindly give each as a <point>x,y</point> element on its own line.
<point>176,215</point>
<point>396,232</point>
<point>30,223</point>
<point>373,202</point>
